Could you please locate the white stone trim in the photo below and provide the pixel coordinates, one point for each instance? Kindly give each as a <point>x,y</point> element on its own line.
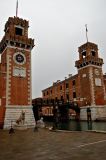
<point>28,71</point>
<point>30,78</point>
<point>28,74</point>
<point>19,48</point>
<point>8,76</point>
<point>29,98</point>
<point>9,84</point>
<point>99,67</point>
<point>9,96</point>
<point>92,85</point>
<point>28,83</point>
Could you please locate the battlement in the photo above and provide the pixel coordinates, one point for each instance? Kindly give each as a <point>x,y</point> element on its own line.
<point>16,34</point>
<point>87,45</point>
<point>16,21</point>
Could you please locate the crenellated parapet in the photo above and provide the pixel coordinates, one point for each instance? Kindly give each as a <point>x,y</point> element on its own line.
<point>16,21</point>
<point>88,45</point>
<point>16,41</point>
<point>88,55</point>
<point>16,34</point>
<point>88,61</point>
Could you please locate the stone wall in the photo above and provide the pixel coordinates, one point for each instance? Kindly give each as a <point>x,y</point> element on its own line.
<point>13,113</point>
<point>97,112</point>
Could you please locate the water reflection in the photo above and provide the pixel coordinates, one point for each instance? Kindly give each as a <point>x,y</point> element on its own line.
<point>82,126</point>
<point>71,125</point>
<point>89,125</point>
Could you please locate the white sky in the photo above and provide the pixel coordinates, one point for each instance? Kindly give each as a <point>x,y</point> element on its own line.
<point>58,27</point>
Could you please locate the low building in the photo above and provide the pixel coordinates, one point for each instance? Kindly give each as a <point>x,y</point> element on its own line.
<point>87,87</point>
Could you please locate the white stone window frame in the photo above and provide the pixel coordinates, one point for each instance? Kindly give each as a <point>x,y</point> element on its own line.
<point>19,72</point>
<point>98,82</point>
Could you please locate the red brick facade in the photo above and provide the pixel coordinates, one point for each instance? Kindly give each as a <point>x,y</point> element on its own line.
<point>15,66</point>
<point>86,87</point>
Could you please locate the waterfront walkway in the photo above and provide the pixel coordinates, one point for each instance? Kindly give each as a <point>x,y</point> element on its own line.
<point>50,145</point>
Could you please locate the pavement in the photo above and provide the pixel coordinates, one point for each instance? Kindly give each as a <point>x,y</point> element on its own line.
<point>52,145</point>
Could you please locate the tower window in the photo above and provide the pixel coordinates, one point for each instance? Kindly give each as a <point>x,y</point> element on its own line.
<point>67,97</point>
<point>12,43</point>
<point>56,99</point>
<point>18,31</point>
<point>61,98</point>
<point>73,82</point>
<point>74,94</point>
<point>60,87</point>
<point>47,101</point>
<point>93,53</point>
<point>84,54</point>
<point>67,85</point>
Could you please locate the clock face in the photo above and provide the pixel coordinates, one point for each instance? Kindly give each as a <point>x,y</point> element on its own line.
<point>19,58</point>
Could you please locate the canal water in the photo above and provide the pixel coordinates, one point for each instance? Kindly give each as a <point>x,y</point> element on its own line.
<point>81,126</point>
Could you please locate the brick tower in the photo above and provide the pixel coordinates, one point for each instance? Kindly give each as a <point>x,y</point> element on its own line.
<point>90,74</point>
<point>15,73</point>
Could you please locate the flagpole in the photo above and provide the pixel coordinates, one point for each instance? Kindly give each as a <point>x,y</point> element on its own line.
<point>86,32</point>
<point>17,8</point>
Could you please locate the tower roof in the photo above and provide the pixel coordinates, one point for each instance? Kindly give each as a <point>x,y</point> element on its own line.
<point>16,21</point>
<point>16,34</point>
<point>88,45</point>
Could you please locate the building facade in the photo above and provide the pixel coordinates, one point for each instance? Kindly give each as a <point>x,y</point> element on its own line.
<point>87,87</point>
<point>15,73</point>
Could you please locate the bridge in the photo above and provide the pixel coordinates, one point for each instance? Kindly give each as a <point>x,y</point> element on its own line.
<point>55,109</point>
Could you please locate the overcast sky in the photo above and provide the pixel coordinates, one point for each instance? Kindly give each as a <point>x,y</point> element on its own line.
<point>58,27</point>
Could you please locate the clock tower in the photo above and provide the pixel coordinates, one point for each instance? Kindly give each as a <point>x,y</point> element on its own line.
<point>15,73</point>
